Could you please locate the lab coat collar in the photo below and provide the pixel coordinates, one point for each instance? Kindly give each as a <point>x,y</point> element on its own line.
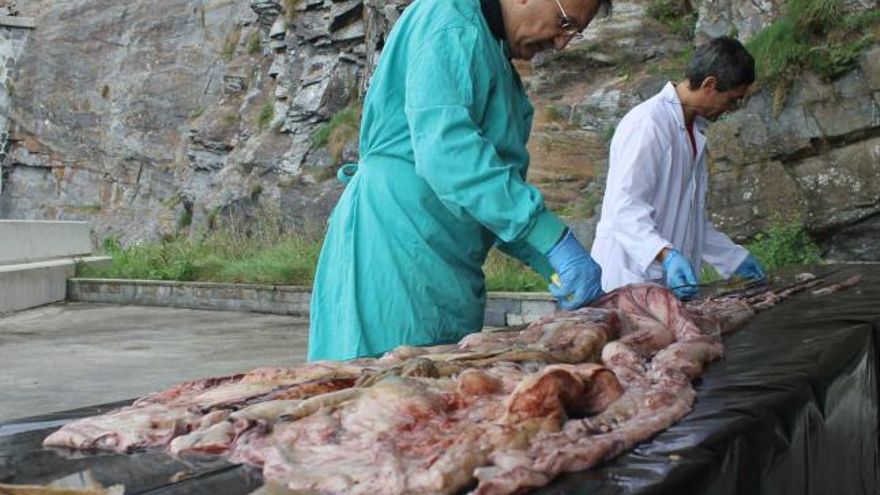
<point>673,104</point>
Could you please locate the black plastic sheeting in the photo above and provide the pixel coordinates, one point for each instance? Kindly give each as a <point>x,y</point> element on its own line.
<point>792,408</point>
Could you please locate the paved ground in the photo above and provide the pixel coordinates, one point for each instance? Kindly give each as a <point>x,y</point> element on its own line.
<point>72,355</point>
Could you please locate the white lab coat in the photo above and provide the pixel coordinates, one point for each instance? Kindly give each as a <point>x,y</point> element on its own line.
<point>655,197</point>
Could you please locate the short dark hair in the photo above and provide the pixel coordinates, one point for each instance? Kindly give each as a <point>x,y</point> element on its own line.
<point>726,59</point>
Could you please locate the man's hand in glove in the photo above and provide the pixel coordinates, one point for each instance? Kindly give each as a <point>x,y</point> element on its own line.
<point>580,277</point>
<point>680,278</point>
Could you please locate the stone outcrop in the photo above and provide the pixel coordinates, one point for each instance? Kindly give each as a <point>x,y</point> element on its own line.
<point>14,31</point>
<point>199,111</point>
<point>191,112</point>
<point>817,162</point>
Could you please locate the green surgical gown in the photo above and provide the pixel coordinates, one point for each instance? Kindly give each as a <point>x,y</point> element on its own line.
<point>441,179</point>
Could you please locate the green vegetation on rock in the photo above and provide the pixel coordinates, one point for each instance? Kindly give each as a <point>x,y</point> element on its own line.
<point>677,15</point>
<point>254,43</point>
<point>811,35</point>
<point>779,246</point>
<point>341,128</point>
<point>229,44</point>
<point>785,245</point>
<point>584,206</point>
<point>267,112</point>
<point>554,114</point>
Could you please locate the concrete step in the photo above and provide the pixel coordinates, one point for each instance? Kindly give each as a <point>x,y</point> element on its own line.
<point>25,241</point>
<point>26,285</point>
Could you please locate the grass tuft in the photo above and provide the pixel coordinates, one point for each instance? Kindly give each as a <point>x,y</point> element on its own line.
<point>259,251</point>
<point>812,35</point>
<point>255,44</point>
<point>504,273</point>
<point>267,112</point>
<point>341,129</point>
<point>229,44</point>
<point>677,15</point>
<point>265,251</point>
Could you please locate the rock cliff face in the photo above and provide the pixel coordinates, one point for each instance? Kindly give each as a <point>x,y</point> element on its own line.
<point>150,121</point>
<point>817,161</point>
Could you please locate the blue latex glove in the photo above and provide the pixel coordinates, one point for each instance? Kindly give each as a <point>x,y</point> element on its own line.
<point>751,269</point>
<point>680,276</point>
<point>580,278</point>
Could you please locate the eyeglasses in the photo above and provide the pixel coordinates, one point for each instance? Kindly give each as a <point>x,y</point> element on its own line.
<point>567,25</point>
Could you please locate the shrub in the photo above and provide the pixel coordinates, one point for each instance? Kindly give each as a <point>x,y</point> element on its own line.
<point>780,246</point>
<point>785,245</point>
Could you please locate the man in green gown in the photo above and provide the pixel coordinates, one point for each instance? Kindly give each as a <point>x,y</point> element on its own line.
<point>441,179</point>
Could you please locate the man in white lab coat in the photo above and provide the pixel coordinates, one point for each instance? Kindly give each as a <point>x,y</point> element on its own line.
<point>654,224</point>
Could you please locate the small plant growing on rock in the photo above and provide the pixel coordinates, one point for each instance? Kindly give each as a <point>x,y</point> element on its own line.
<point>256,191</point>
<point>184,220</point>
<point>785,245</point>
<point>267,112</point>
<point>678,15</point>
<point>342,128</point>
<point>814,35</point>
<point>255,44</point>
<point>197,112</point>
<point>554,114</point>
<point>231,118</point>
<point>230,43</point>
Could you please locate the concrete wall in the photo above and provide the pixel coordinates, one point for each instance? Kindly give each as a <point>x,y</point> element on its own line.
<point>502,308</point>
<point>284,300</point>
<point>37,284</point>
<point>28,285</point>
<point>23,241</point>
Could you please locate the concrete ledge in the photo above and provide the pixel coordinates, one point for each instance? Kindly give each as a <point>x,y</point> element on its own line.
<point>275,299</point>
<point>502,308</point>
<point>33,284</point>
<point>28,285</point>
<point>16,21</point>
<point>24,241</point>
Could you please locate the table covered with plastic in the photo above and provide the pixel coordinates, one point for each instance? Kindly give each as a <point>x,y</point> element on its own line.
<point>791,408</point>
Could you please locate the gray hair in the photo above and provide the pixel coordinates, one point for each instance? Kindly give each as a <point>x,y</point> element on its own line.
<point>724,58</point>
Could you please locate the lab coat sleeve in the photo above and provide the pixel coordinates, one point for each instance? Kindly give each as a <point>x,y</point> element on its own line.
<point>447,85</point>
<point>638,155</point>
<point>720,252</point>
